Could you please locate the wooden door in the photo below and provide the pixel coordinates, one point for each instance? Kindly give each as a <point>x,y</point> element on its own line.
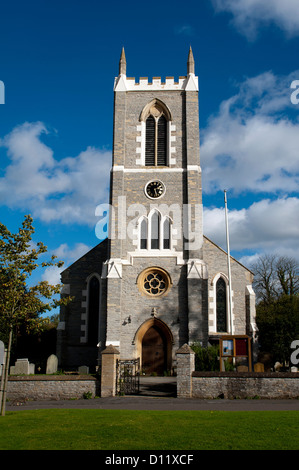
<point>153,352</point>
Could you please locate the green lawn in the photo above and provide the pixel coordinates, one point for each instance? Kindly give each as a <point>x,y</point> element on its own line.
<point>149,430</point>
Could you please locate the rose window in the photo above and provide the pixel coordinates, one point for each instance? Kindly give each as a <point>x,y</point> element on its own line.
<point>154,282</point>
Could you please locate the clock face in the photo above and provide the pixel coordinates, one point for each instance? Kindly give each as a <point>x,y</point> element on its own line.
<point>155,189</point>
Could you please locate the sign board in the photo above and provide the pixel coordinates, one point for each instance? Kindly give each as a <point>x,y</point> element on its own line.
<point>235,347</point>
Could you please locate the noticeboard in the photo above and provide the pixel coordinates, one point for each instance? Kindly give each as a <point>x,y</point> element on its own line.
<point>234,348</point>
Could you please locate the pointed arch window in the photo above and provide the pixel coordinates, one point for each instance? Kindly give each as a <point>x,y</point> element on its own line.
<point>155,232</point>
<point>143,234</point>
<point>221,305</point>
<point>156,141</point>
<point>156,117</point>
<point>166,234</point>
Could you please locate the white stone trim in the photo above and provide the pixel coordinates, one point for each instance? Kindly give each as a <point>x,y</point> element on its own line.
<point>197,269</point>
<point>212,305</point>
<point>85,306</point>
<point>112,268</point>
<point>148,169</point>
<point>252,311</point>
<point>140,140</point>
<point>66,289</point>
<point>188,83</point>
<point>112,343</point>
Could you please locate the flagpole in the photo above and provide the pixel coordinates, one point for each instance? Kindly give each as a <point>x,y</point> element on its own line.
<point>228,266</point>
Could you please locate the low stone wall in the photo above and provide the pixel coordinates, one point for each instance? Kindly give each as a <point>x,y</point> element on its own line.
<point>51,387</point>
<point>207,385</point>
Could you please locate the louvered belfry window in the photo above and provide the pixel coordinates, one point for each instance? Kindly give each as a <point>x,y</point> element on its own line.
<point>161,141</point>
<point>156,141</point>
<point>150,141</point>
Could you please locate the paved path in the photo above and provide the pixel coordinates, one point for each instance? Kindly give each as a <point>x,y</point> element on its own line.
<point>159,403</point>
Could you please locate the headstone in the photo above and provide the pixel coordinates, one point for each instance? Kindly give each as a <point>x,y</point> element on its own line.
<point>83,370</point>
<point>52,364</point>
<point>259,367</point>
<point>294,369</point>
<point>242,369</point>
<point>22,366</point>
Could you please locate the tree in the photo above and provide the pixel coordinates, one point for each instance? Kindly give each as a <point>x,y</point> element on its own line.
<point>276,284</point>
<point>21,304</point>
<point>278,325</point>
<point>275,276</point>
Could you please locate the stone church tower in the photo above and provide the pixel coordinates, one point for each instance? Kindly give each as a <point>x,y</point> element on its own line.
<point>156,282</point>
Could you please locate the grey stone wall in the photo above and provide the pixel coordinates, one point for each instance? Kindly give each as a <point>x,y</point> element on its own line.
<point>171,308</point>
<point>216,259</point>
<point>185,367</point>
<point>72,352</point>
<point>51,388</point>
<point>208,385</point>
<point>231,385</point>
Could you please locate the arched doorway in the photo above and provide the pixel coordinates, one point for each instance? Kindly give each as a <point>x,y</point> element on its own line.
<point>154,346</point>
<point>154,352</point>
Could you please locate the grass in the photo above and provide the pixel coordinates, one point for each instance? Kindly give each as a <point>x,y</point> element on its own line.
<point>148,430</point>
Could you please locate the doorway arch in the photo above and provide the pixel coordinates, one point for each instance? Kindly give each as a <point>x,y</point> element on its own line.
<point>154,342</point>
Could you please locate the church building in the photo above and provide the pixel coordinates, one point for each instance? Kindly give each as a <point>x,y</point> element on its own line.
<point>156,282</point>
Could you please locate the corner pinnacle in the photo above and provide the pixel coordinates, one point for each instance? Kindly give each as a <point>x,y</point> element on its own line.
<point>122,63</point>
<point>190,63</point>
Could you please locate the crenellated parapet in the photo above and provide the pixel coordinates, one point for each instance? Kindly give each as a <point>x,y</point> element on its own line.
<point>124,83</point>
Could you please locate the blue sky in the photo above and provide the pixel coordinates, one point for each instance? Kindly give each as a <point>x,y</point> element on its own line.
<point>58,61</point>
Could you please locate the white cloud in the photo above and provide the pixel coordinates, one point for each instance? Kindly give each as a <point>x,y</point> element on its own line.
<point>251,144</point>
<point>250,15</point>
<point>65,191</point>
<point>268,225</point>
<point>66,254</point>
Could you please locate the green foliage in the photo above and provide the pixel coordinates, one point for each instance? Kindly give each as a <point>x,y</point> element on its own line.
<point>21,304</point>
<point>278,324</point>
<point>206,359</point>
<point>276,283</point>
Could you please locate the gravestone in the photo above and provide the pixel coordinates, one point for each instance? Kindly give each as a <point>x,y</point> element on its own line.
<point>22,367</point>
<point>83,370</point>
<point>259,367</point>
<point>52,364</point>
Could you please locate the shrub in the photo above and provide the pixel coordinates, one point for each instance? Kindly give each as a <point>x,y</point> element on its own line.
<point>206,359</point>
